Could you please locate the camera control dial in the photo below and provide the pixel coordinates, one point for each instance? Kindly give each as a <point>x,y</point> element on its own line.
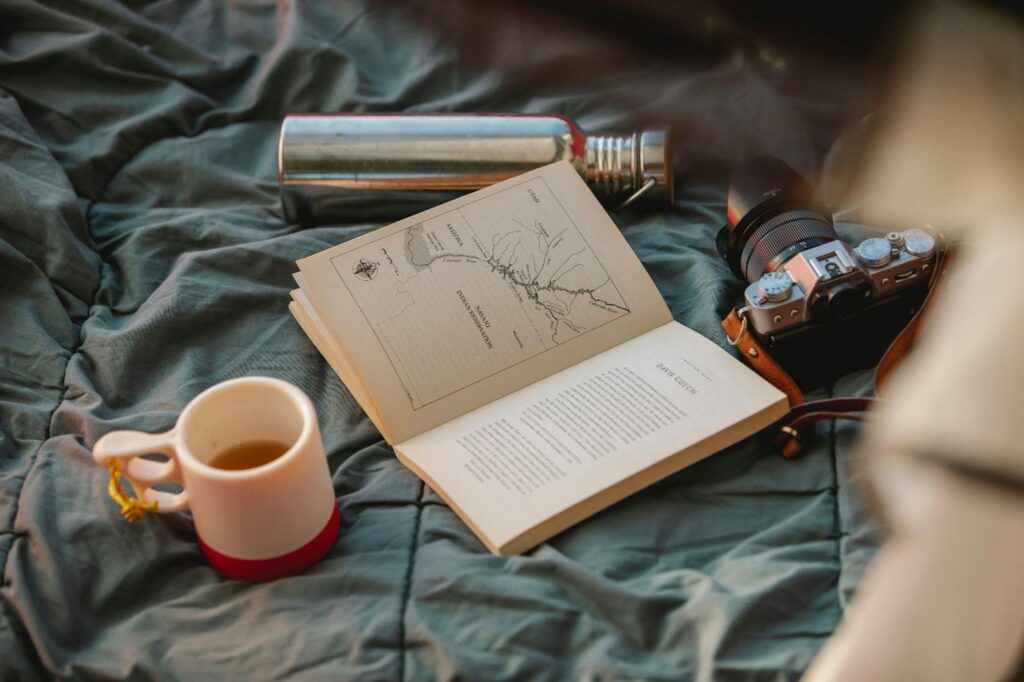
<point>874,252</point>
<point>895,239</point>
<point>774,286</point>
<point>919,243</point>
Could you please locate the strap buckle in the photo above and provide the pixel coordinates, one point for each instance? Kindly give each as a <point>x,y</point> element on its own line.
<point>789,441</point>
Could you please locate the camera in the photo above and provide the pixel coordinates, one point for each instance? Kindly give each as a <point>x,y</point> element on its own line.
<point>820,306</point>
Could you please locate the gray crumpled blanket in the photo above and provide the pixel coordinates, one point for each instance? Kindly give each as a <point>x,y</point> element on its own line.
<point>144,256</point>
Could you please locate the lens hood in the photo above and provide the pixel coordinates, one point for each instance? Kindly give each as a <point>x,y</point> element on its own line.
<point>763,189</point>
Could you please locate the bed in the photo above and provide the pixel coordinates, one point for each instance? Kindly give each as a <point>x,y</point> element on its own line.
<point>144,256</point>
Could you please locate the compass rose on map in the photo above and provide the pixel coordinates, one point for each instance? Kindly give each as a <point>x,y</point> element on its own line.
<point>365,269</point>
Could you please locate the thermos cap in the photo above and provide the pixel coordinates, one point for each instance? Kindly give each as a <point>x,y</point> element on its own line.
<point>639,165</point>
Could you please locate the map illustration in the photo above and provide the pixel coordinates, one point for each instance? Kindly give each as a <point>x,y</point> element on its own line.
<point>477,290</point>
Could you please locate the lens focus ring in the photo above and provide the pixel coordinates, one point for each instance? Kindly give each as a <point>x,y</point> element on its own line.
<point>777,235</point>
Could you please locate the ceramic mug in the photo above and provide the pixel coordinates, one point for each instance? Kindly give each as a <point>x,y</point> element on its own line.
<point>258,523</point>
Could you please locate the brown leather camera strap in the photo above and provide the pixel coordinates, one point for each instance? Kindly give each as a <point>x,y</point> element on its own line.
<point>756,356</point>
<point>802,413</point>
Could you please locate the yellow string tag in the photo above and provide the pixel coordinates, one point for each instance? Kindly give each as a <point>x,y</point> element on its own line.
<point>132,508</point>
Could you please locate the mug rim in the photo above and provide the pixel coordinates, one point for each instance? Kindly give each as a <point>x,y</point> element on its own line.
<point>292,392</point>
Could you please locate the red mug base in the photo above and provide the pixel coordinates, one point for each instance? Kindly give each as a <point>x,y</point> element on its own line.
<point>296,561</point>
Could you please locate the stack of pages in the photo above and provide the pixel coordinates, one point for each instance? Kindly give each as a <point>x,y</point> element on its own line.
<point>513,350</point>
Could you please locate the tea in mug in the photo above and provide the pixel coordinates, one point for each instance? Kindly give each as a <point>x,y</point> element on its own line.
<point>248,455</point>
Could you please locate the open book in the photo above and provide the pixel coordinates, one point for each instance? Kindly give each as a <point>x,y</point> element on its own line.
<point>513,350</point>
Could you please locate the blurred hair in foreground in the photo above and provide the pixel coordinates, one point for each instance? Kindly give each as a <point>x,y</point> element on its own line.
<point>951,149</point>
<point>944,599</point>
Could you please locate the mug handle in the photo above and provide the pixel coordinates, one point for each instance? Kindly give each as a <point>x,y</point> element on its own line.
<point>143,473</point>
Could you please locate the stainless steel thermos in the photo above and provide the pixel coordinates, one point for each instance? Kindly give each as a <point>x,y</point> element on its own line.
<point>328,163</point>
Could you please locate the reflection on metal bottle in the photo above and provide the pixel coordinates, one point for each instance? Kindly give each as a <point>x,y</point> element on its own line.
<point>328,163</point>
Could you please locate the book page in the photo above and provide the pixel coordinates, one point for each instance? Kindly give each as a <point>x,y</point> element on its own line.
<point>460,305</point>
<point>533,463</point>
<point>304,314</point>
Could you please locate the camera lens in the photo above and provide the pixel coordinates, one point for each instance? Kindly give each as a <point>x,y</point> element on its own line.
<point>772,215</point>
<point>772,242</point>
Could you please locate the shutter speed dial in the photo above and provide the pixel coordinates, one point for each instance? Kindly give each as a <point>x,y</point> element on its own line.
<point>774,286</point>
<point>874,252</point>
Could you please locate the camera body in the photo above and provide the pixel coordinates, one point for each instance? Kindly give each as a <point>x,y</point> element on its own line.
<point>821,306</point>
<point>786,298</point>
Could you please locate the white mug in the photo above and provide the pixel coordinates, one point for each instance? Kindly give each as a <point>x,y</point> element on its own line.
<point>259,523</point>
